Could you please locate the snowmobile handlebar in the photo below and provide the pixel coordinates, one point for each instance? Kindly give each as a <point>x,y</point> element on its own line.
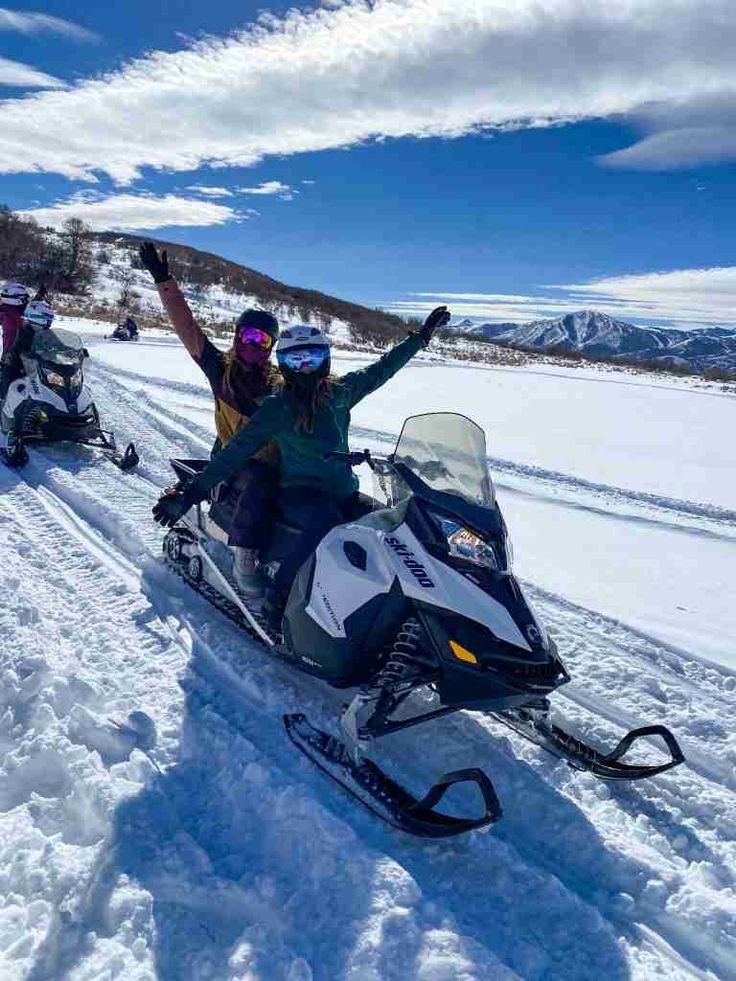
<point>353,458</point>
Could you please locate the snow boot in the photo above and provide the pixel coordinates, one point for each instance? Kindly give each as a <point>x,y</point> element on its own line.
<point>246,572</point>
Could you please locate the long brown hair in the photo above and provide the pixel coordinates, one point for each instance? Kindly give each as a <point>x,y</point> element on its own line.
<point>248,382</point>
<point>307,399</point>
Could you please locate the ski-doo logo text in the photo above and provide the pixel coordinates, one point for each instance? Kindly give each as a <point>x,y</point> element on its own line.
<point>407,556</point>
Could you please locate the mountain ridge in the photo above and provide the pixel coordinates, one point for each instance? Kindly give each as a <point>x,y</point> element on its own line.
<point>597,334</point>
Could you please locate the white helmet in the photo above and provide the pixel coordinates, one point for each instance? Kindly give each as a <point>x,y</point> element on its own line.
<point>303,353</point>
<point>14,295</point>
<point>39,313</point>
<point>300,335</point>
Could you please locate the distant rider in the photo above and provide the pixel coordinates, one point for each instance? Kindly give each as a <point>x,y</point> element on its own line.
<point>240,379</point>
<point>130,327</point>
<point>308,420</point>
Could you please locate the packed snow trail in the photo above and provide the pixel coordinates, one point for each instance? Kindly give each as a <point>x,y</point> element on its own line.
<point>215,851</point>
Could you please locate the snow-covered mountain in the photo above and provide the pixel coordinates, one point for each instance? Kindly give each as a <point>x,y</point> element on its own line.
<point>597,334</point>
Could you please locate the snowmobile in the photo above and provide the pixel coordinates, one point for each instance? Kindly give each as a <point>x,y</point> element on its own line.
<point>51,402</point>
<point>415,608</point>
<point>123,333</point>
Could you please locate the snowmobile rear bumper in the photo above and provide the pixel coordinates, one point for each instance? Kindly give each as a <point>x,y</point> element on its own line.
<point>387,799</point>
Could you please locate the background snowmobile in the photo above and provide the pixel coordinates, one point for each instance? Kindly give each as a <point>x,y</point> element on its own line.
<point>51,403</point>
<point>416,597</point>
<point>127,331</point>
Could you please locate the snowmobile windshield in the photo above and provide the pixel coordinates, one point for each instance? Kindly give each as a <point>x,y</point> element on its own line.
<point>447,452</point>
<point>58,347</point>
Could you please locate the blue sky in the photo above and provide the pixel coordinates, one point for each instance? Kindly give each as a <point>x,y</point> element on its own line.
<point>419,150</point>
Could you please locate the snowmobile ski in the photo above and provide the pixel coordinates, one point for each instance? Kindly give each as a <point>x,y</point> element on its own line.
<point>581,756</point>
<point>366,782</point>
<point>128,461</point>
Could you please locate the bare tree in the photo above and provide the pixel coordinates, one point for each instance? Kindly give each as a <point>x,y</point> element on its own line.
<point>127,278</point>
<point>76,256</point>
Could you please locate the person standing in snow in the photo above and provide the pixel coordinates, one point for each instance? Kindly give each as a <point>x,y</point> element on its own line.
<point>240,379</point>
<point>308,420</point>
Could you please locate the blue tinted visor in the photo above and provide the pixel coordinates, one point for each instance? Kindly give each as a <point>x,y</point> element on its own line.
<point>304,358</point>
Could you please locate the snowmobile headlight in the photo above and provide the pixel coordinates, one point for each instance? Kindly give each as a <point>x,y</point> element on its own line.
<point>466,544</point>
<point>55,379</point>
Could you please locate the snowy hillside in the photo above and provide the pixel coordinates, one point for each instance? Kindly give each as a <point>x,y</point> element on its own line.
<point>155,821</point>
<point>121,286</point>
<point>597,334</point>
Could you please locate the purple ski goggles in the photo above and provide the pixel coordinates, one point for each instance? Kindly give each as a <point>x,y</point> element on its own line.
<point>253,336</point>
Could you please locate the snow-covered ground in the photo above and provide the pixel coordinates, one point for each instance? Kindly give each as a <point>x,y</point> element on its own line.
<point>155,821</point>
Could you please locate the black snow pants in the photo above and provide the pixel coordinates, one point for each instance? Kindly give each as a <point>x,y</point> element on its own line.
<point>247,505</point>
<point>307,509</point>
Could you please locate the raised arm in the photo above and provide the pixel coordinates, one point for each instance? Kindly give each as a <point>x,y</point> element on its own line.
<point>361,383</point>
<point>177,309</point>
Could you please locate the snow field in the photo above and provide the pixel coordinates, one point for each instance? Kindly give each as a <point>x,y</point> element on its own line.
<point>215,851</point>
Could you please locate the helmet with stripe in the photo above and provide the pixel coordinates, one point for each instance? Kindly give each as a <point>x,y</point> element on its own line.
<point>14,295</point>
<point>39,313</point>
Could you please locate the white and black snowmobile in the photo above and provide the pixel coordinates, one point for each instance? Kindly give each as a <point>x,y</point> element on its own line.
<point>52,403</point>
<point>416,609</point>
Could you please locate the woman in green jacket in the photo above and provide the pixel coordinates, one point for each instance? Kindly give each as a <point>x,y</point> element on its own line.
<point>308,420</point>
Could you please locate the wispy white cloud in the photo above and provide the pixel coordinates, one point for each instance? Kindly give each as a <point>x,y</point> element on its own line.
<point>17,74</point>
<point>121,212</point>
<point>491,307</point>
<point>267,188</point>
<point>31,22</point>
<point>682,297</point>
<point>211,192</point>
<point>363,69</point>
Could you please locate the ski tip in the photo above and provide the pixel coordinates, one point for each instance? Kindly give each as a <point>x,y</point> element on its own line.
<point>130,459</point>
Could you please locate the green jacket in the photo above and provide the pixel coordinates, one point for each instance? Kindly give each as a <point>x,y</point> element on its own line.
<point>303,454</point>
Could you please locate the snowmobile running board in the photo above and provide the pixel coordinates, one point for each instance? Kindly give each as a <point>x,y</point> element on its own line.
<point>581,756</point>
<point>128,461</point>
<point>387,799</point>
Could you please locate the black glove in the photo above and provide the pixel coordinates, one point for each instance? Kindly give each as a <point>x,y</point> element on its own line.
<point>171,507</point>
<point>158,266</point>
<point>438,318</point>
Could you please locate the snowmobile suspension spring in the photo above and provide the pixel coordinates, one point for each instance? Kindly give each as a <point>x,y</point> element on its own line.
<point>406,654</point>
